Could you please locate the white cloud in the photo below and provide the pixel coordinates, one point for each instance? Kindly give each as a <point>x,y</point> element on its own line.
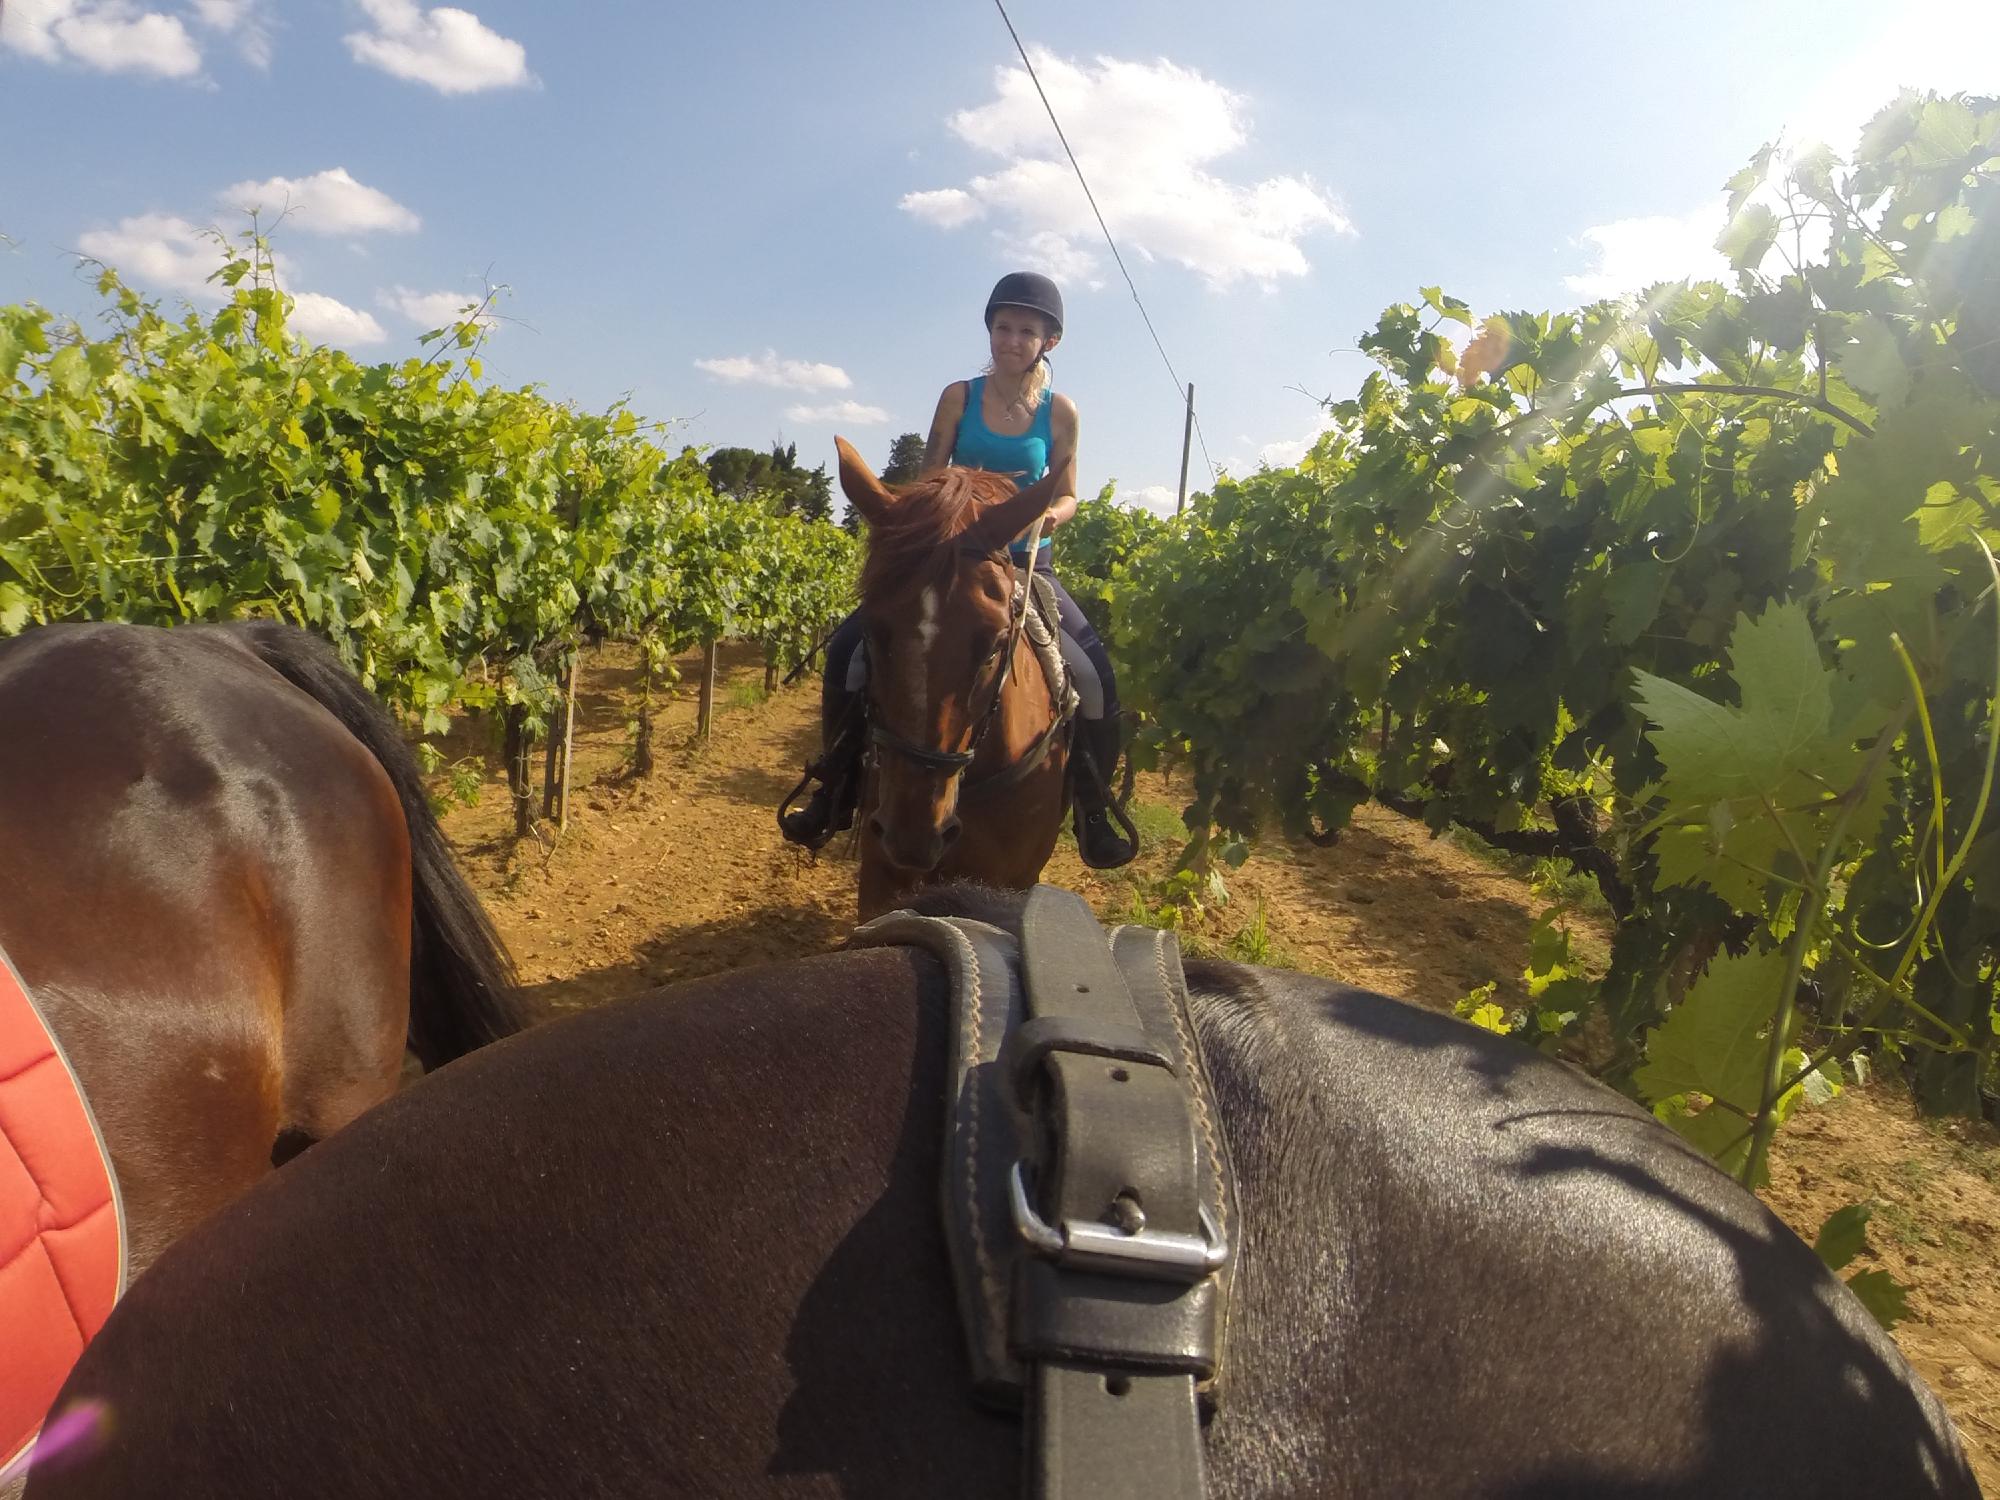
<point>452,50</point>
<point>1629,255</point>
<point>1154,497</point>
<point>159,250</point>
<point>769,369</point>
<point>435,309</point>
<point>29,26</point>
<point>839,411</point>
<point>324,321</point>
<point>167,252</point>
<point>1054,254</point>
<point>1280,453</point>
<point>112,36</point>
<point>330,202</point>
<point>948,208</point>
<point>241,19</point>
<point>1146,135</point>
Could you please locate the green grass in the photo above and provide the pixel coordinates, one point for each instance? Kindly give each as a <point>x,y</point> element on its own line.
<point>1160,827</point>
<point>746,694</point>
<point>1912,1176</point>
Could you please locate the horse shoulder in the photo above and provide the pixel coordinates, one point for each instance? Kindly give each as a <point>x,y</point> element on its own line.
<point>1483,1241</point>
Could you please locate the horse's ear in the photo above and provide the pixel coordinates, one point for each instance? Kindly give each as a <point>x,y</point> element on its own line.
<point>1001,523</point>
<point>864,490</point>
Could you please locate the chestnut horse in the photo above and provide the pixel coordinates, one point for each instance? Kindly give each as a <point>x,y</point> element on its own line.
<point>221,878</point>
<point>969,745</point>
<point>690,1244</point>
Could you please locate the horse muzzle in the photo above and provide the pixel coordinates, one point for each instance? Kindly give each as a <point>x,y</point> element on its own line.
<point>915,848</point>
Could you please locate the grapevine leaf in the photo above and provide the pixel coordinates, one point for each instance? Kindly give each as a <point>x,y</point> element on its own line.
<point>1844,1235</point>
<point>1715,753</point>
<point>15,609</point>
<point>1734,858</point>
<point>1713,1043</point>
<point>1632,594</point>
<point>1749,236</point>
<point>1873,363</point>
<point>1886,1298</point>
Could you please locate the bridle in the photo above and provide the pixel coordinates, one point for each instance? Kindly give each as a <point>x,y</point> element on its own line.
<point>957,762</point>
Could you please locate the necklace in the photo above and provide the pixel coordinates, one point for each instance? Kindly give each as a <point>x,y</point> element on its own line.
<point>1015,403</point>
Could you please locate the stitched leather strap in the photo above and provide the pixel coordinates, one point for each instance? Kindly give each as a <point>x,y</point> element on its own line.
<point>981,1133</point>
<point>1117,1336</point>
<point>1086,1196</point>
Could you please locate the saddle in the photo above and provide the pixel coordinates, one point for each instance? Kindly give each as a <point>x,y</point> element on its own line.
<point>62,1230</point>
<point>1043,628</point>
<point>1087,1197</point>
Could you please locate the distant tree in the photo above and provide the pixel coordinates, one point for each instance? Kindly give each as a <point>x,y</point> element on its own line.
<point>739,472</point>
<point>775,477</point>
<point>810,492</point>
<point>906,459</point>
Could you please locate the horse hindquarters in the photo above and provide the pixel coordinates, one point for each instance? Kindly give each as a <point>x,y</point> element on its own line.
<point>462,981</point>
<point>202,891</point>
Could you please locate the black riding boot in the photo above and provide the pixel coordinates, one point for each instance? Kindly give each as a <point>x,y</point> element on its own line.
<point>830,809</point>
<point>1105,844</point>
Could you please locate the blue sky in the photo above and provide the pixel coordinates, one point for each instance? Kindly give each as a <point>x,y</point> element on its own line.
<point>779,218</point>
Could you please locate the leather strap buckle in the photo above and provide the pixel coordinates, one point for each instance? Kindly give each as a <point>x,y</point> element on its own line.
<point>1148,1253</point>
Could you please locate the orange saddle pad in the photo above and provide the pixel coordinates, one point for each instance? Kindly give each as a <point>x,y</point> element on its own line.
<point>62,1235</point>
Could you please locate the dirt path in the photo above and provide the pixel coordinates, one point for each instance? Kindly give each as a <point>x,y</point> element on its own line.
<point>684,874</point>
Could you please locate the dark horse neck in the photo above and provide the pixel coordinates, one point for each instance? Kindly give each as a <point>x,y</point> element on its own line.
<point>689,1245</point>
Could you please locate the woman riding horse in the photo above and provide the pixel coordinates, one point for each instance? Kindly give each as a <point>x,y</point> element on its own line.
<point>1007,421</point>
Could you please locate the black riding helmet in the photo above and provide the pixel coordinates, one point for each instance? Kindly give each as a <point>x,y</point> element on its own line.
<point>1027,289</point>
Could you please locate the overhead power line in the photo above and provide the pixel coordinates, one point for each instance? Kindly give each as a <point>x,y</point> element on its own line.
<point>1180,386</point>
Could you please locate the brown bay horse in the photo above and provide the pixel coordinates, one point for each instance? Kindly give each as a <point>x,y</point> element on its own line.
<point>690,1243</point>
<point>221,879</point>
<point>968,776</point>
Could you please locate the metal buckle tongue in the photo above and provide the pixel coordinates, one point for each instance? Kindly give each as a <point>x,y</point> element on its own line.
<point>1087,1246</point>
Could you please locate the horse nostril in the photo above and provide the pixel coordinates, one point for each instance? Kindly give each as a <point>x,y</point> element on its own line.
<point>875,827</point>
<point>949,833</point>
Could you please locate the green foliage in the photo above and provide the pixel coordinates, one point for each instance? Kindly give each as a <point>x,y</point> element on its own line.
<point>1886,1298</point>
<point>1691,590</point>
<point>906,459</point>
<point>454,540</point>
<point>1844,1235</point>
<point>1094,547</point>
<point>774,479</point>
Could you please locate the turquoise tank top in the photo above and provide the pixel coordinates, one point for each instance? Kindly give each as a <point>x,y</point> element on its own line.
<point>1024,459</point>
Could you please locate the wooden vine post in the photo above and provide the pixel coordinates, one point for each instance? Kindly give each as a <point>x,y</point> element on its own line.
<point>555,763</point>
<point>706,713</point>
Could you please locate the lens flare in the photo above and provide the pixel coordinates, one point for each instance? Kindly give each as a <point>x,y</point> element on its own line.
<point>78,1432</point>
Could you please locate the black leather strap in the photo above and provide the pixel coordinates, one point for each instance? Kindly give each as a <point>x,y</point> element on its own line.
<point>1120,1317</point>
<point>1099,1434</point>
<point>1150,961</point>
<point>1086,1200</point>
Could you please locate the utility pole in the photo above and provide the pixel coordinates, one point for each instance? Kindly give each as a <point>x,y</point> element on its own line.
<point>1187,432</point>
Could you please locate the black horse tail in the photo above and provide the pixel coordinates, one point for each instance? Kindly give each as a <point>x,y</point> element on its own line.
<point>462,981</point>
